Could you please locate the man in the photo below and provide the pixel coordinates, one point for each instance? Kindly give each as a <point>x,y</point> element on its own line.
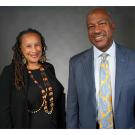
<point>101,90</point>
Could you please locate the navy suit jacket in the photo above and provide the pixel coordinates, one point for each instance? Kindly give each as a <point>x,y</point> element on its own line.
<point>81,99</point>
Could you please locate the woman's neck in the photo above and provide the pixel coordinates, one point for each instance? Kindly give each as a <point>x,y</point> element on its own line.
<point>33,66</point>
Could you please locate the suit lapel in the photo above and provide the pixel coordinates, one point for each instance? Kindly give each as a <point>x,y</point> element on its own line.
<point>121,67</point>
<point>88,66</point>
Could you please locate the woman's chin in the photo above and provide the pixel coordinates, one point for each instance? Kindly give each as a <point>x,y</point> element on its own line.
<point>34,61</point>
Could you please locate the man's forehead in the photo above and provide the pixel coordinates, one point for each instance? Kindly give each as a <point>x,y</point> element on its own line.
<point>98,15</point>
<point>99,10</point>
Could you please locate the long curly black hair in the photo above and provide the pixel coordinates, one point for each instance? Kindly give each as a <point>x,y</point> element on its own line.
<point>17,61</point>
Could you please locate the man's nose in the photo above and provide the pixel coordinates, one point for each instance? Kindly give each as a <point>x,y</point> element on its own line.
<point>97,29</point>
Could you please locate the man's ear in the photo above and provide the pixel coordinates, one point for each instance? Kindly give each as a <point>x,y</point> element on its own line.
<point>113,26</point>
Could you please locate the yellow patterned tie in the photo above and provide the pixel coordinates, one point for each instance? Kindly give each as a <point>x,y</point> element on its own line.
<point>105,113</point>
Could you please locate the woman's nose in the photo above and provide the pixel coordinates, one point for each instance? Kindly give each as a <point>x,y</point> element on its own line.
<point>34,48</point>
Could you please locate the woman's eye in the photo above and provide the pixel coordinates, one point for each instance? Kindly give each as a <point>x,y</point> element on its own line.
<point>28,46</point>
<point>37,45</point>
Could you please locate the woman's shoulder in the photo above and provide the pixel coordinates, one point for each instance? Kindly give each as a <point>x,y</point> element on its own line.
<point>48,65</point>
<point>8,69</point>
<point>6,76</point>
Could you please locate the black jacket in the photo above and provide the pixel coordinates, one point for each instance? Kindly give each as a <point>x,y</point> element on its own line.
<point>13,102</point>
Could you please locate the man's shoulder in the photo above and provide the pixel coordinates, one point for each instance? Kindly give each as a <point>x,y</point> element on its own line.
<point>128,51</point>
<point>81,56</point>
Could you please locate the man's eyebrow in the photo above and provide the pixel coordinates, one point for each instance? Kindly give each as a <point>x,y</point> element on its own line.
<point>102,20</point>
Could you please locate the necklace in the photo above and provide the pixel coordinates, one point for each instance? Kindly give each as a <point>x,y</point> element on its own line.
<point>46,93</point>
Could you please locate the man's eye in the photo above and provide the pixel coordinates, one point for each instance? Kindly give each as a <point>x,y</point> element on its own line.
<point>103,23</point>
<point>91,26</point>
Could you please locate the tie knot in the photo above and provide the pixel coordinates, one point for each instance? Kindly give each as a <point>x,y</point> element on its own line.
<point>104,57</point>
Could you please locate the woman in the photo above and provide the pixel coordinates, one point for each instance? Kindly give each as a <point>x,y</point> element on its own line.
<point>30,94</point>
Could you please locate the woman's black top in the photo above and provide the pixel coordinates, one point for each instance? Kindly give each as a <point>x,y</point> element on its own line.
<point>14,104</point>
<point>40,119</point>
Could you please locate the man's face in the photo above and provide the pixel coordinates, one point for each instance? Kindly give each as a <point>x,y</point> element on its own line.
<point>100,30</point>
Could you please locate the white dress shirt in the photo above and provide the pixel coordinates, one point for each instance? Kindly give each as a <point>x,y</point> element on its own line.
<point>112,67</point>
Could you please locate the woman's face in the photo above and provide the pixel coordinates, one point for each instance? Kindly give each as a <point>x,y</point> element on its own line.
<point>31,47</point>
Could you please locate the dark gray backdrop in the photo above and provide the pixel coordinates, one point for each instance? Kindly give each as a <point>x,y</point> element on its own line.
<point>64,29</point>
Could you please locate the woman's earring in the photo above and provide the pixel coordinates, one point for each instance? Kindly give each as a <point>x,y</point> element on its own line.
<point>24,61</point>
<point>43,59</point>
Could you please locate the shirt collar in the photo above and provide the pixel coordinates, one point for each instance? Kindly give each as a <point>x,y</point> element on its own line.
<point>110,51</point>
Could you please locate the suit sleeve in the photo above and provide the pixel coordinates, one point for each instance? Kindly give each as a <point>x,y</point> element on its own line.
<point>72,101</point>
<point>5,93</point>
